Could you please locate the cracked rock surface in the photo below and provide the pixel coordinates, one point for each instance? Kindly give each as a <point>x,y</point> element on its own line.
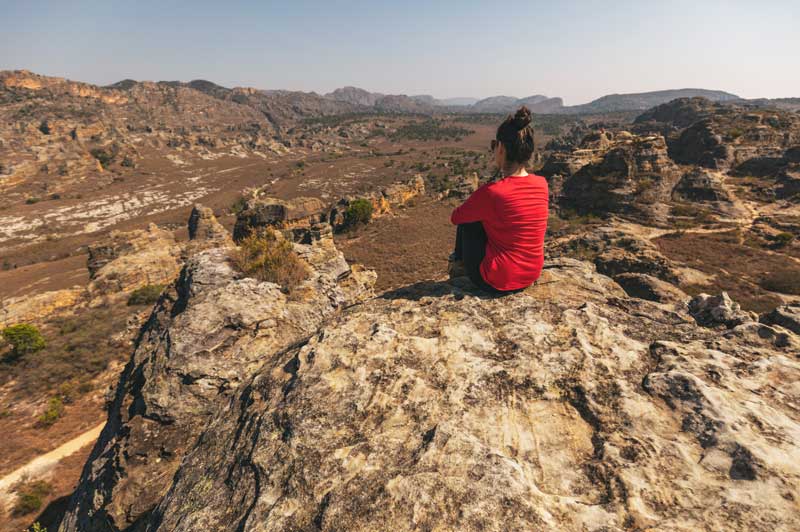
<point>568,406</point>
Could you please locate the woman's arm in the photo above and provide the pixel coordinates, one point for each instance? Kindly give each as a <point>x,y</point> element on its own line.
<point>478,207</point>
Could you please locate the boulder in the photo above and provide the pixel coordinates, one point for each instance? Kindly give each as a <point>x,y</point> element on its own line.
<point>710,311</point>
<point>787,316</point>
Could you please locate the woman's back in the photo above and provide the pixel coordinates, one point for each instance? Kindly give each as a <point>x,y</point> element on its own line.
<point>514,214</point>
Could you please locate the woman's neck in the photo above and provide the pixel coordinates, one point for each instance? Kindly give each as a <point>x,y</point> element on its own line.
<point>515,171</point>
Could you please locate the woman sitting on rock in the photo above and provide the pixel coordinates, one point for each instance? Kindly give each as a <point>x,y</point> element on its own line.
<point>501,226</point>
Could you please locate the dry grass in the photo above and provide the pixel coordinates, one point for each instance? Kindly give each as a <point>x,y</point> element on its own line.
<point>266,257</point>
<point>78,348</point>
<point>30,496</point>
<point>748,273</point>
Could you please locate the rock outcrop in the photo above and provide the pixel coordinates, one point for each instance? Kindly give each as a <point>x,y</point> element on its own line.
<point>301,218</point>
<point>787,316</point>
<point>629,175</point>
<point>127,260</point>
<point>207,335</point>
<point>568,406</point>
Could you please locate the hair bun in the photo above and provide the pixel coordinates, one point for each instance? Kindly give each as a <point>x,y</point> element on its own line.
<point>522,118</point>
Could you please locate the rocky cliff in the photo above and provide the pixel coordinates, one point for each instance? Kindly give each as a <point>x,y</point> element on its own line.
<point>569,406</point>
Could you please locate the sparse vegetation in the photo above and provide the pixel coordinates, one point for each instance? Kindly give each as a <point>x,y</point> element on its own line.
<point>783,239</point>
<point>267,257</point>
<point>105,155</point>
<point>55,407</point>
<point>44,127</point>
<point>359,212</point>
<point>430,130</point>
<point>24,339</point>
<point>78,349</point>
<point>746,273</point>
<point>30,496</point>
<point>239,205</point>
<point>146,295</point>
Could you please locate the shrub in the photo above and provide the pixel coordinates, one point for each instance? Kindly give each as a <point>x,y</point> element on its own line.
<point>105,156</point>
<point>24,339</point>
<point>145,295</point>
<point>358,212</point>
<point>32,200</point>
<point>268,258</point>
<point>127,162</point>
<point>239,205</point>
<point>55,407</point>
<point>30,496</point>
<point>36,527</point>
<point>783,239</point>
<point>44,127</point>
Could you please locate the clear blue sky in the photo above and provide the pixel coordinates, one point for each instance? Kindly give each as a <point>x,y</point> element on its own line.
<point>578,50</point>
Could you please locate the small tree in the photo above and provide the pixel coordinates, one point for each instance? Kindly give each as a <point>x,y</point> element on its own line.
<point>358,212</point>
<point>24,339</point>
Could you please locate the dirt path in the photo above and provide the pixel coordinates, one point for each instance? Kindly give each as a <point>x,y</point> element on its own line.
<point>43,463</point>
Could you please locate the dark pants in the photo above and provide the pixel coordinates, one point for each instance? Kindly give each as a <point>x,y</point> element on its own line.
<point>470,249</point>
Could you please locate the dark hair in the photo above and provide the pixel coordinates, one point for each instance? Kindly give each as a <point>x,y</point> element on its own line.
<point>516,135</point>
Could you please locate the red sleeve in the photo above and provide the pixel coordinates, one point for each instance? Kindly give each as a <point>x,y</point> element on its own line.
<point>478,207</point>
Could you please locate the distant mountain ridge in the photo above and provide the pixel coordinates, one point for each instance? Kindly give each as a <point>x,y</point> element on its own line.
<point>645,100</point>
<point>537,103</point>
<point>282,107</point>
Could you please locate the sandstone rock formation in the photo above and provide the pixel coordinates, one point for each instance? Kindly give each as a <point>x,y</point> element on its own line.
<point>128,260</point>
<point>27,309</point>
<point>207,335</point>
<point>569,406</point>
<point>300,217</point>
<point>787,316</point>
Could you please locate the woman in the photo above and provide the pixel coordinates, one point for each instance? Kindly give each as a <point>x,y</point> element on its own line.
<point>501,226</point>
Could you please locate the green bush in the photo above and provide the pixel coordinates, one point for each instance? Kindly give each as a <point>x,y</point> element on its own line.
<point>55,407</point>
<point>783,239</point>
<point>267,258</point>
<point>146,295</point>
<point>36,527</point>
<point>358,212</point>
<point>105,156</point>
<point>239,205</point>
<point>24,339</point>
<point>32,200</point>
<point>30,497</point>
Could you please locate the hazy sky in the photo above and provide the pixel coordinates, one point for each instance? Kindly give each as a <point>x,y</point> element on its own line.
<point>578,50</point>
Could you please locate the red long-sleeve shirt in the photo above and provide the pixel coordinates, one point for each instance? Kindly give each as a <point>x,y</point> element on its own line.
<point>514,214</point>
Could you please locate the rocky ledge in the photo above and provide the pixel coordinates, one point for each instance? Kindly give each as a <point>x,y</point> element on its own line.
<point>569,406</point>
